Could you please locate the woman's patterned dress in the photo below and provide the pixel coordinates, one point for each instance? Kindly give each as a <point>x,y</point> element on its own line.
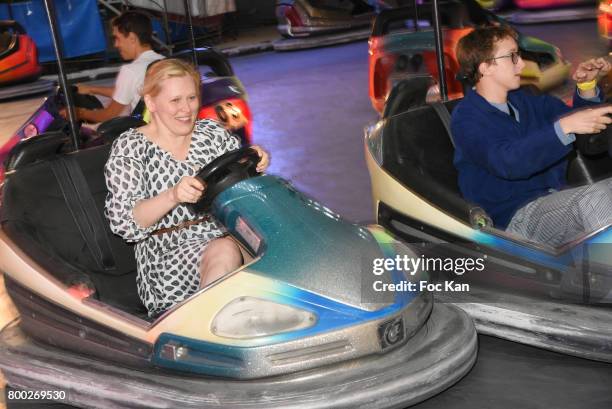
<point>137,169</point>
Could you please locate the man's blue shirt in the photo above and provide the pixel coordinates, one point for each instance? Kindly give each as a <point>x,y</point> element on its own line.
<point>504,164</point>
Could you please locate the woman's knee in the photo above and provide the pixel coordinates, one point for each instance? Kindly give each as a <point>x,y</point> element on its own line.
<point>224,251</point>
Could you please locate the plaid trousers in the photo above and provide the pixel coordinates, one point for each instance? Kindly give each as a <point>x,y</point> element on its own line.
<point>562,216</point>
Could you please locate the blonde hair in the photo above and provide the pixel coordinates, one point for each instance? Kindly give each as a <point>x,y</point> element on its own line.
<point>168,68</point>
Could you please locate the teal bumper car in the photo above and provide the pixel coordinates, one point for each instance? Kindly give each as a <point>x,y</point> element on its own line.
<point>300,326</point>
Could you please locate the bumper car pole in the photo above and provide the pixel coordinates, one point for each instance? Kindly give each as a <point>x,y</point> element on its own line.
<point>439,50</point>
<point>415,4</point>
<point>190,30</point>
<point>57,45</point>
<point>167,29</point>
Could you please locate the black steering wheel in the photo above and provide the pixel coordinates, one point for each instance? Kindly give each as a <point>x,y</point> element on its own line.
<point>225,171</point>
<point>595,144</point>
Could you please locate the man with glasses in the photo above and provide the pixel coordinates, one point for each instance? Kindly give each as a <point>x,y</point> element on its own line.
<point>511,146</point>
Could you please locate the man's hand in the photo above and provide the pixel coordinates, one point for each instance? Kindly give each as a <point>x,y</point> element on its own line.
<point>188,190</point>
<point>592,69</point>
<point>64,113</point>
<point>585,121</point>
<point>113,110</point>
<point>84,89</point>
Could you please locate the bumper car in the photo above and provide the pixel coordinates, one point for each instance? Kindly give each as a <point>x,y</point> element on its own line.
<point>298,326</point>
<point>494,4</point>
<point>224,99</point>
<point>402,46</point>
<point>546,4</point>
<point>487,4</point>
<point>604,20</point>
<point>303,18</point>
<point>552,11</point>
<point>556,298</point>
<point>18,54</point>
<point>531,4</point>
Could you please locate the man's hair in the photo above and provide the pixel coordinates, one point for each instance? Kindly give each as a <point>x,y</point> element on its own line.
<point>478,47</point>
<point>137,23</point>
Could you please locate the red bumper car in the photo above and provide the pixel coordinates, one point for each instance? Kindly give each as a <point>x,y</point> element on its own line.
<point>18,54</point>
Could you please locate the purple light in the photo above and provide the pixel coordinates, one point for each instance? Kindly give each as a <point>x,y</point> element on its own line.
<point>42,121</point>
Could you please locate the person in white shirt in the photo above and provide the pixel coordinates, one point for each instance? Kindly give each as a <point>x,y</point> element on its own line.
<point>132,35</point>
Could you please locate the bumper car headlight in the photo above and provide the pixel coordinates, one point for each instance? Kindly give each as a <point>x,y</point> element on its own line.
<point>374,141</point>
<point>249,317</point>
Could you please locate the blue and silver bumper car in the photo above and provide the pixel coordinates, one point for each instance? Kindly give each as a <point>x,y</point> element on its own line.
<point>298,327</point>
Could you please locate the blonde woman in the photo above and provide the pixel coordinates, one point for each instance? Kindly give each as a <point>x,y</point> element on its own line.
<point>150,180</point>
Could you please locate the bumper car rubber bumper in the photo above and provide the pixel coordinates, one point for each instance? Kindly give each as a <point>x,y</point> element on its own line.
<point>299,43</point>
<point>437,356</point>
<point>561,326</point>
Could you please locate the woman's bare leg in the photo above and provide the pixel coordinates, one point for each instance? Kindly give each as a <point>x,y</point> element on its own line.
<point>220,257</point>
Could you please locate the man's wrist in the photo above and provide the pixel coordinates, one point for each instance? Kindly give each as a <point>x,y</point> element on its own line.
<point>80,113</point>
<point>563,126</point>
<point>566,138</point>
<point>592,95</point>
<point>77,112</point>
<point>588,85</point>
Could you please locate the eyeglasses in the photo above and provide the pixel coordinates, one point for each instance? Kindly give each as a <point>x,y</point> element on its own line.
<point>514,56</point>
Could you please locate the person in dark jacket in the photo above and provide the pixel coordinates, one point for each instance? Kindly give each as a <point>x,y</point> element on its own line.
<point>511,146</point>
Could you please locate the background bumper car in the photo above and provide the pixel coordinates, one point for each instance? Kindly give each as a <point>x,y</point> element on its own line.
<point>18,54</point>
<point>402,45</point>
<point>299,326</point>
<point>551,297</point>
<point>303,18</point>
<point>551,11</point>
<point>532,4</point>
<point>494,4</point>
<point>604,20</point>
<point>545,4</point>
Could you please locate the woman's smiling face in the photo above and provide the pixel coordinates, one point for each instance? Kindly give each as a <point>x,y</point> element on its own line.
<point>176,105</point>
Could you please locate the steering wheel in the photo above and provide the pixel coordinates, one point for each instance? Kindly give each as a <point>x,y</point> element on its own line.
<point>595,144</point>
<point>225,171</point>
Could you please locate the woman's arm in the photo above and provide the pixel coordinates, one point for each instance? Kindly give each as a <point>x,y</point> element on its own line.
<point>147,212</point>
<point>131,213</point>
<point>264,158</point>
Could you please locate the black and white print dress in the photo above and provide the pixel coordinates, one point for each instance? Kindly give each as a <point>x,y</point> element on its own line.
<point>137,169</point>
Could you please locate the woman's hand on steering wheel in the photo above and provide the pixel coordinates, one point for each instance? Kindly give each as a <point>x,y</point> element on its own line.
<point>188,190</point>
<point>264,160</point>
